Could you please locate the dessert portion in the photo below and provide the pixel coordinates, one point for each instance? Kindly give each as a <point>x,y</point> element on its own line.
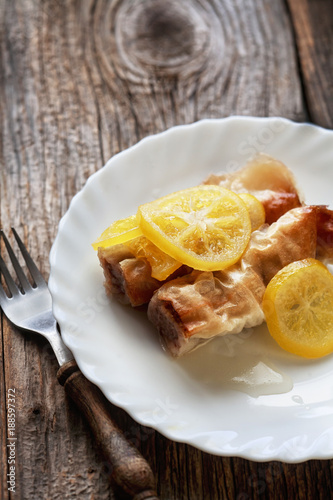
<point>268,179</point>
<point>129,277</point>
<point>202,258</point>
<point>191,310</point>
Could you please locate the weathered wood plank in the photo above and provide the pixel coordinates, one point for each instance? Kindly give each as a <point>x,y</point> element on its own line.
<point>81,81</point>
<point>4,493</point>
<point>313,22</point>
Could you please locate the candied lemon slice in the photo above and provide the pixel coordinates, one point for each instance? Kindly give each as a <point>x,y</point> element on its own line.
<point>206,227</point>
<point>120,231</point>
<point>255,208</point>
<point>298,306</point>
<point>162,265</point>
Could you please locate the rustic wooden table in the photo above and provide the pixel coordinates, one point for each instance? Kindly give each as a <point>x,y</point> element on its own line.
<point>81,81</point>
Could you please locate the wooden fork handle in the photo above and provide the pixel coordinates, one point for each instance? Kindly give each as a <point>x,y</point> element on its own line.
<point>129,469</point>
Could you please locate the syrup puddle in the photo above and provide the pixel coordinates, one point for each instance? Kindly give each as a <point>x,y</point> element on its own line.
<point>244,369</point>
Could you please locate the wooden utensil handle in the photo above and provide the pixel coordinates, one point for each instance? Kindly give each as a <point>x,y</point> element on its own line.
<point>129,469</point>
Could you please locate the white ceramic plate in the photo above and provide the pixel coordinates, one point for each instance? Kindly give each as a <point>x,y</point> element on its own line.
<point>192,400</point>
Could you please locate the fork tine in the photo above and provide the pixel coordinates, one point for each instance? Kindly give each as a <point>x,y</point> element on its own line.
<point>18,269</point>
<point>35,272</point>
<point>3,295</point>
<point>9,280</point>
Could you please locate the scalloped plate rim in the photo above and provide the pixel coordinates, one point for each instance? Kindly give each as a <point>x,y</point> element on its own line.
<point>248,451</point>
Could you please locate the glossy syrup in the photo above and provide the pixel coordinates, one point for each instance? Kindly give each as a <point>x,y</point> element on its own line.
<point>237,362</point>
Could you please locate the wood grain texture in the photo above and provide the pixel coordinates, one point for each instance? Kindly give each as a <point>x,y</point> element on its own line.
<point>80,81</point>
<point>129,469</point>
<point>313,22</point>
<point>4,494</point>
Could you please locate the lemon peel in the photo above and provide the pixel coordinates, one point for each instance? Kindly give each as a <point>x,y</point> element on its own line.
<point>205,227</point>
<point>298,306</point>
<point>256,210</point>
<point>120,231</point>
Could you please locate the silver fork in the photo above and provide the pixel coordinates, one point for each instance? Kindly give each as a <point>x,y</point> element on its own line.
<point>29,307</point>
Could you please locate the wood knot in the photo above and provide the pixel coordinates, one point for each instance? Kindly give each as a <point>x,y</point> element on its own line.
<point>164,32</point>
<point>161,37</point>
<point>37,410</point>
